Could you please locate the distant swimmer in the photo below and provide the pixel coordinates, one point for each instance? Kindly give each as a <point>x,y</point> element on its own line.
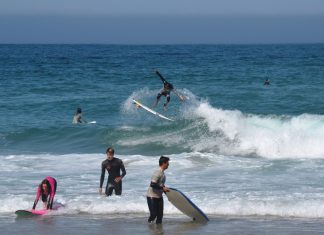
<point>113,166</point>
<point>155,191</point>
<point>77,118</point>
<point>46,190</point>
<point>267,82</point>
<point>167,88</point>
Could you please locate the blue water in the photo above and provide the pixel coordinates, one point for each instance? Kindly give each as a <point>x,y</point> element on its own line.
<point>237,147</point>
<point>41,86</point>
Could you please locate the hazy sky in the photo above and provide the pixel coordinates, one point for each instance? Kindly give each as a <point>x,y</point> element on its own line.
<point>165,21</point>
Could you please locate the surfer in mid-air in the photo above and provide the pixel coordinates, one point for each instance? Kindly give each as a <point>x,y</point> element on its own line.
<point>167,88</point>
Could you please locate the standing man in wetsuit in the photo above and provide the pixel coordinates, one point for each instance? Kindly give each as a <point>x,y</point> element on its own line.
<point>167,88</point>
<point>155,191</point>
<point>113,166</point>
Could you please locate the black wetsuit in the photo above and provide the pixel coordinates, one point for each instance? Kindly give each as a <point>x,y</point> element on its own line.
<point>167,88</point>
<point>113,167</point>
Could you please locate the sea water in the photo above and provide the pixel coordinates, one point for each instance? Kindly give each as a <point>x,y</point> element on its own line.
<point>238,148</point>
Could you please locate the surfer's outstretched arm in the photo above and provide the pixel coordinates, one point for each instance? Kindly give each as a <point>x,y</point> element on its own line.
<point>160,76</point>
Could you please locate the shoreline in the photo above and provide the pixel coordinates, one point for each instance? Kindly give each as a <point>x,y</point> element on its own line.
<point>136,225</point>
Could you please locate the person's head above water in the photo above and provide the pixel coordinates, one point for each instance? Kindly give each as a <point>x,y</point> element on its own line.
<point>79,110</point>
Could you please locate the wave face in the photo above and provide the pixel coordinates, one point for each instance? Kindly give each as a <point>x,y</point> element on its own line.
<point>198,127</point>
<point>201,127</point>
<point>232,132</point>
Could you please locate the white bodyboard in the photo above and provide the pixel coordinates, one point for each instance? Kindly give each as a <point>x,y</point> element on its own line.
<point>186,206</point>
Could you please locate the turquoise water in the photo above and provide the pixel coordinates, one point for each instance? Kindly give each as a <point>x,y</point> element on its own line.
<point>41,86</point>
<point>237,147</point>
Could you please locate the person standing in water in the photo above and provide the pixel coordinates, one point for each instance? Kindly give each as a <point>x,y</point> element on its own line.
<point>77,118</point>
<point>113,166</point>
<point>167,88</point>
<point>155,191</point>
<point>46,190</point>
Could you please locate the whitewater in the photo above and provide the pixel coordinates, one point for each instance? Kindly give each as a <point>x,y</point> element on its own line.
<point>237,164</point>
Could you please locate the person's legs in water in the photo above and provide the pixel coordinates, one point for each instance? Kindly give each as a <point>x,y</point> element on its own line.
<point>152,205</point>
<point>109,189</point>
<point>118,188</point>
<point>159,209</point>
<point>55,186</point>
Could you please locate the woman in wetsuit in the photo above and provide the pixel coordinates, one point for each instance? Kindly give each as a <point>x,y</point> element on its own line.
<point>47,190</point>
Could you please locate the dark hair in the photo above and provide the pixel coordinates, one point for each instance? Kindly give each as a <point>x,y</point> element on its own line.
<point>169,85</point>
<point>110,149</point>
<point>163,159</point>
<point>44,197</point>
<point>78,110</point>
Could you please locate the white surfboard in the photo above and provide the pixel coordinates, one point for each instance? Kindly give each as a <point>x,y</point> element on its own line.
<point>186,206</point>
<point>138,104</point>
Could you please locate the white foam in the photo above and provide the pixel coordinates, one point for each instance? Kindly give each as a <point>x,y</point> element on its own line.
<point>142,94</point>
<point>267,136</point>
<point>219,185</point>
<point>231,132</point>
<point>273,207</point>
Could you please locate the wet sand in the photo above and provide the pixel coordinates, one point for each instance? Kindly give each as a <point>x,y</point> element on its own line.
<point>136,225</point>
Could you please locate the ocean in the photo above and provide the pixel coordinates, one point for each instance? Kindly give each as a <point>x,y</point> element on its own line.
<point>251,156</point>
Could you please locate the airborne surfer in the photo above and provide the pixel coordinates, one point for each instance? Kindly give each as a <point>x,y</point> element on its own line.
<point>167,88</point>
